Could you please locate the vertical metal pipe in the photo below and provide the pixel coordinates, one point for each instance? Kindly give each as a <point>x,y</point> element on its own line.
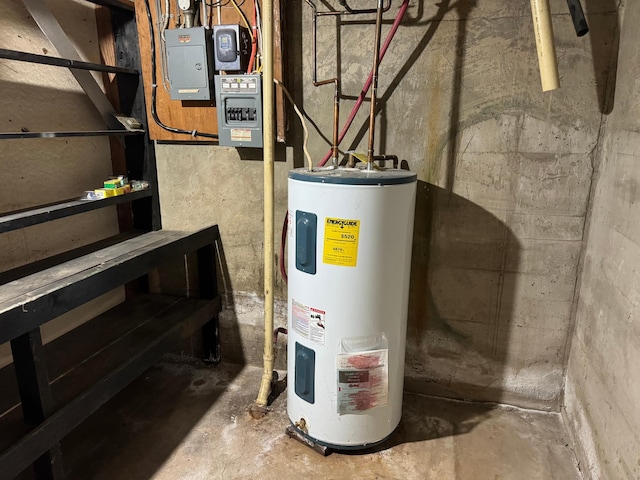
<point>316,83</point>
<point>269,225</point>
<point>374,86</point>
<point>315,37</point>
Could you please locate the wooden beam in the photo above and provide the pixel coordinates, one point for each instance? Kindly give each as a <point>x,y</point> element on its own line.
<point>106,44</point>
<point>35,398</point>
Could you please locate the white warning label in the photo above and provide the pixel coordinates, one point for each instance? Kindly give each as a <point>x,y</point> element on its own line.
<point>308,322</point>
<point>240,135</point>
<point>363,380</point>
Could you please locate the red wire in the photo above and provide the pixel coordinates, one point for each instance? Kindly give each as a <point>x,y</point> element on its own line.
<point>254,41</point>
<point>347,125</point>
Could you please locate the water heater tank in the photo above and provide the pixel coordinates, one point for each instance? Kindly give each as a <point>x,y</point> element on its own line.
<point>350,236</point>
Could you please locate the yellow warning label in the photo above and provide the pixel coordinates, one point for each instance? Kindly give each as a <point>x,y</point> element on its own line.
<point>341,242</point>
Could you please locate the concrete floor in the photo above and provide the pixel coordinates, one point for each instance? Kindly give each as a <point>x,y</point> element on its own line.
<point>182,421</point>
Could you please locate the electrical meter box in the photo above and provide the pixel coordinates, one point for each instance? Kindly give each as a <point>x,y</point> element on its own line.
<point>189,63</point>
<point>232,48</point>
<point>239,102</point>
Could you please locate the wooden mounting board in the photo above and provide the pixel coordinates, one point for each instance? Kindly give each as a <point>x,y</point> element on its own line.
<point>198,115</point>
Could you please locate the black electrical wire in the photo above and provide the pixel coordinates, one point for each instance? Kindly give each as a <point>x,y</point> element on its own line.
<point>154,86</point>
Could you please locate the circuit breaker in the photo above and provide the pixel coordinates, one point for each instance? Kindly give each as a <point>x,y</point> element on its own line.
<point>239,105</point>
<point>232,48</point>
<point>189,63</point>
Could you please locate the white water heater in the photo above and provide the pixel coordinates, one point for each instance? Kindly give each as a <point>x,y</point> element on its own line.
<point>350,237</point>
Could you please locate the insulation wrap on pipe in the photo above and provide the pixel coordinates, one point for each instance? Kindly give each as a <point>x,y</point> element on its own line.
<point>545,45</point>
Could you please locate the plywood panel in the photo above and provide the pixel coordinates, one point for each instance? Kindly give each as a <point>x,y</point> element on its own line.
<point>193,115</point>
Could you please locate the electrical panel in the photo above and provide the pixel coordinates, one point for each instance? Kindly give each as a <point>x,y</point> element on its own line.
<point>189,63</point>
<point>232,48</point>
<point>239,102</point>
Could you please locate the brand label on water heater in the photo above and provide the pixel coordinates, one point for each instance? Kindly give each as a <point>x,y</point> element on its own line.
<point>341,242</point>
<point>308,322</point>
<point>363,380</point>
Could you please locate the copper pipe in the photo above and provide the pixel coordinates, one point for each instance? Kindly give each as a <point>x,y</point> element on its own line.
<point>336,116</point>
<point>374,85</point>
<point>316,83</point>
<point>336,121</point>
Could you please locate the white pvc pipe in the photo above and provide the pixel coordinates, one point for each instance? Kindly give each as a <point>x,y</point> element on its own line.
<point>269,224</point>
<point>545,45</point>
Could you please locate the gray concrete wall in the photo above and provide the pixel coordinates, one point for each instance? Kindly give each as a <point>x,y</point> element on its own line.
<point>35,172</point>
<point>504,179</point>
<point>603,385</point>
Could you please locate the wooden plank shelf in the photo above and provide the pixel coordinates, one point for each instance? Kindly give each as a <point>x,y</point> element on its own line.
<point>26,218</point>
<point>48,262</point>
<point>92,363</point>
<point>31,301</point>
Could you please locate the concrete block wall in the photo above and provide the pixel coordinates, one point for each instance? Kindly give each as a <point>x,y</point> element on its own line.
<point>601,402</point>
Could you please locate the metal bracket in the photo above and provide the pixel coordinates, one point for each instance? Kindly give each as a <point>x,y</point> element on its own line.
<point>53,31</point>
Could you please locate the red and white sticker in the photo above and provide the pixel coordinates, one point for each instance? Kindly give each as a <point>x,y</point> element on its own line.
<point>308,322</point>
<point>363,381</point>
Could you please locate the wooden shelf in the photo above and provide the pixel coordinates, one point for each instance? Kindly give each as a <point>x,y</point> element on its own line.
<point>31,301</point>
<point>48,262</point>
<point>87,133</point>
<point>25,218</point>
